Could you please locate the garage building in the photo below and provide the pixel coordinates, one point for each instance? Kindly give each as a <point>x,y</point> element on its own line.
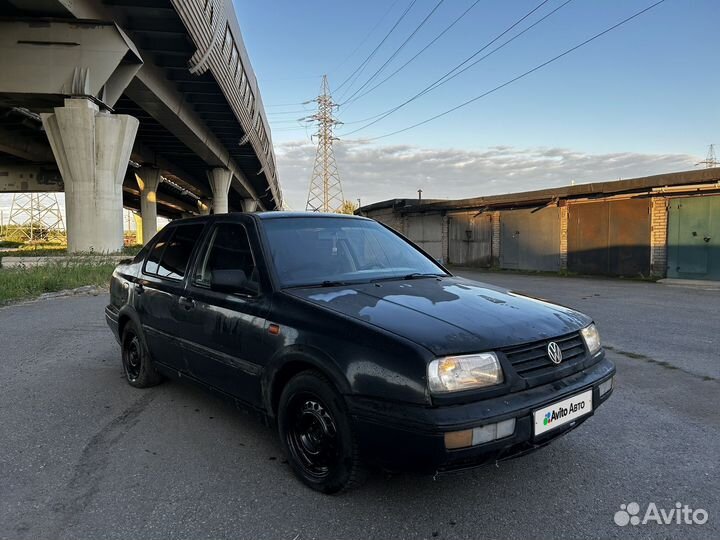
<point>665,225</point>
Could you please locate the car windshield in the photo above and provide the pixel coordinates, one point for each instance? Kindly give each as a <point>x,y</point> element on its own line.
<point>328,251</point>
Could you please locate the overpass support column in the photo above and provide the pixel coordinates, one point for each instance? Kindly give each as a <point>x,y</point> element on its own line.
<point>148,180</point>
<point>138,228</point>
<point>92,149</point>
<point>250,205</point>
<point>220,184</point>
<point>204,206</point>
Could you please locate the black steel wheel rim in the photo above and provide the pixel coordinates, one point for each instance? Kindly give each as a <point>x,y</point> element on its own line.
<point>312,435</point>
<point>133,358</point>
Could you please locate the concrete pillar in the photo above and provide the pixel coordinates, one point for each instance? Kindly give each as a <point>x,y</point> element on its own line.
<point>220,184</point>
<point>92,150</point>
<point>250,205</point>
<point>148,180</point>
<point>139,238</point>
<point>204,206</point>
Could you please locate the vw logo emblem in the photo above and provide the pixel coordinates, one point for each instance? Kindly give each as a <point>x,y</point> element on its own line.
<point>554,352</point>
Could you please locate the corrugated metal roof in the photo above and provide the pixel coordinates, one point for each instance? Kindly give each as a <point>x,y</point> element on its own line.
<point>543,196</point>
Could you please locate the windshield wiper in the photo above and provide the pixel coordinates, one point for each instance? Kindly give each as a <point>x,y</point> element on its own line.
<point>330,283</point>
<point>420,275</point>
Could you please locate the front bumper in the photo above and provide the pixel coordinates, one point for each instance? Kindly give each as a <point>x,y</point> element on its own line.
<point>411,437</point>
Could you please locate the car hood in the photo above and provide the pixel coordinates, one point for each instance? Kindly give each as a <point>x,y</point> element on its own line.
<point>448,315</point>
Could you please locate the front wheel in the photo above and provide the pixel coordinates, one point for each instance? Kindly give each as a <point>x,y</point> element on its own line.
<point>316,434</point>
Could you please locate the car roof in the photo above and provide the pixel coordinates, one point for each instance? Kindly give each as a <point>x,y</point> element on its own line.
<point>314,215</point>
<point>264,216</point>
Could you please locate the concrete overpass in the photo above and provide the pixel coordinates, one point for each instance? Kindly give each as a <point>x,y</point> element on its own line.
<point>148,103</point>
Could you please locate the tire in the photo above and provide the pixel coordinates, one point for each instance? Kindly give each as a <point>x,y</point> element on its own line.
<point>317,436</point>
<point>136,360</point>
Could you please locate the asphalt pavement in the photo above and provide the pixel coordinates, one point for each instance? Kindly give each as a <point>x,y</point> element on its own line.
<point>84,455</point>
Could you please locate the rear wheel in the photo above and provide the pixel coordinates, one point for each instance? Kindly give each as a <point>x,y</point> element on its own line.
<point>137,364</point>
<point>317,436</point>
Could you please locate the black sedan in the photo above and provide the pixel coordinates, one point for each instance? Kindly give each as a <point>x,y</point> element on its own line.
<point>360,347</point>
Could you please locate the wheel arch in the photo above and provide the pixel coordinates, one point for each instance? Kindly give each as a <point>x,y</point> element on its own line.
<point>126,315</point>
<point>292,361</point>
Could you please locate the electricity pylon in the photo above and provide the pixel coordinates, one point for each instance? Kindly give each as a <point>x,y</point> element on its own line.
<point>35,216</point>
<point>325,193</point>
<point>710,160</point>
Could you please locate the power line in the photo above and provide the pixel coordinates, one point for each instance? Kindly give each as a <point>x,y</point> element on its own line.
<point>397,51</point>
<point>398,70</point>
<point>358,71</point>
<point>449,74</point>
<point>362,42</point>
<point>525,74</point>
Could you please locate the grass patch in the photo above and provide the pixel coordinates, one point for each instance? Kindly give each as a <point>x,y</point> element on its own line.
<point>60,250</point>
<point>29,282</point>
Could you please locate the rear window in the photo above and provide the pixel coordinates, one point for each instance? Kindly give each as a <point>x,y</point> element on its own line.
<point>170,256</point>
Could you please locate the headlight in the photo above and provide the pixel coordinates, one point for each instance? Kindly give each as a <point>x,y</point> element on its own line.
<point>455,373</point>
<point>592,339</point>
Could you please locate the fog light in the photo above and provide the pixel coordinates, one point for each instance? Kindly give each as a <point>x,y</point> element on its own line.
<point>484,434</point>
<point>505,428</point>
<point>458,439</point>
<point>606,386</point>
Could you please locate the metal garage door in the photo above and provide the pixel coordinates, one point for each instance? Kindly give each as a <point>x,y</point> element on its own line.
<point>530,239</point>
<point>470,239</point>
<point>694,238</point>
<point>426,231</point>
<point>610,237</point>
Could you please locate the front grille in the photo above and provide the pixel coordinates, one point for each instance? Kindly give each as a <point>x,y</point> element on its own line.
<point>531,360</point>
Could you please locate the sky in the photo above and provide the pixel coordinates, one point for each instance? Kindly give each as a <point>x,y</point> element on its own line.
<point>639,100</point>
<point>642,99</point>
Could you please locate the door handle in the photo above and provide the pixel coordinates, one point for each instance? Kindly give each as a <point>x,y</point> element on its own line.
<point>139,289</point>
<point>187,303</point>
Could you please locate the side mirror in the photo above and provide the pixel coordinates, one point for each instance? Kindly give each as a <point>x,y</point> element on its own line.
<point>232,281</point>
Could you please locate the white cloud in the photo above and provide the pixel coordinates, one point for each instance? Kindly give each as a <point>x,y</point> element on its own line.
<point>374,173</point>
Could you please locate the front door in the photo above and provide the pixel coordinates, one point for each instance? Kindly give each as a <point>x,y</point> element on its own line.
<point>226,328</point>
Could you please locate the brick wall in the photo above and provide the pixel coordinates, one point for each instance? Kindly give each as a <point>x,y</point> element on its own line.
<point>658,236</point>
<point>495,239</point>
<point>563,237</point>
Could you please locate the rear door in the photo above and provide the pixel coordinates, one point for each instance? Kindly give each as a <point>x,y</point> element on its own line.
<point>160,289</point>
<point>226,329</point>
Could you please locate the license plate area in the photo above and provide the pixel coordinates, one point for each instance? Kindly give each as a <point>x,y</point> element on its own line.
<point>562,412</point>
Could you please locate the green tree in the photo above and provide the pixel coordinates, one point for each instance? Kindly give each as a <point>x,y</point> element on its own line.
<point>347,207</point>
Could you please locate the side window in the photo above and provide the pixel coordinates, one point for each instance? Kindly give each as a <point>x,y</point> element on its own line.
<point>151,265</point>
<point>175,255</point>
<point>228,259</point>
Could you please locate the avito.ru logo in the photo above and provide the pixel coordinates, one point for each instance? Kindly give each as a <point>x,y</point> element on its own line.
<point>681,514</point>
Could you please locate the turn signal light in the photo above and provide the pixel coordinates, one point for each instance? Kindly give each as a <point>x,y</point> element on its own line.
<point>479,435</point>
<point>458,439</point>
